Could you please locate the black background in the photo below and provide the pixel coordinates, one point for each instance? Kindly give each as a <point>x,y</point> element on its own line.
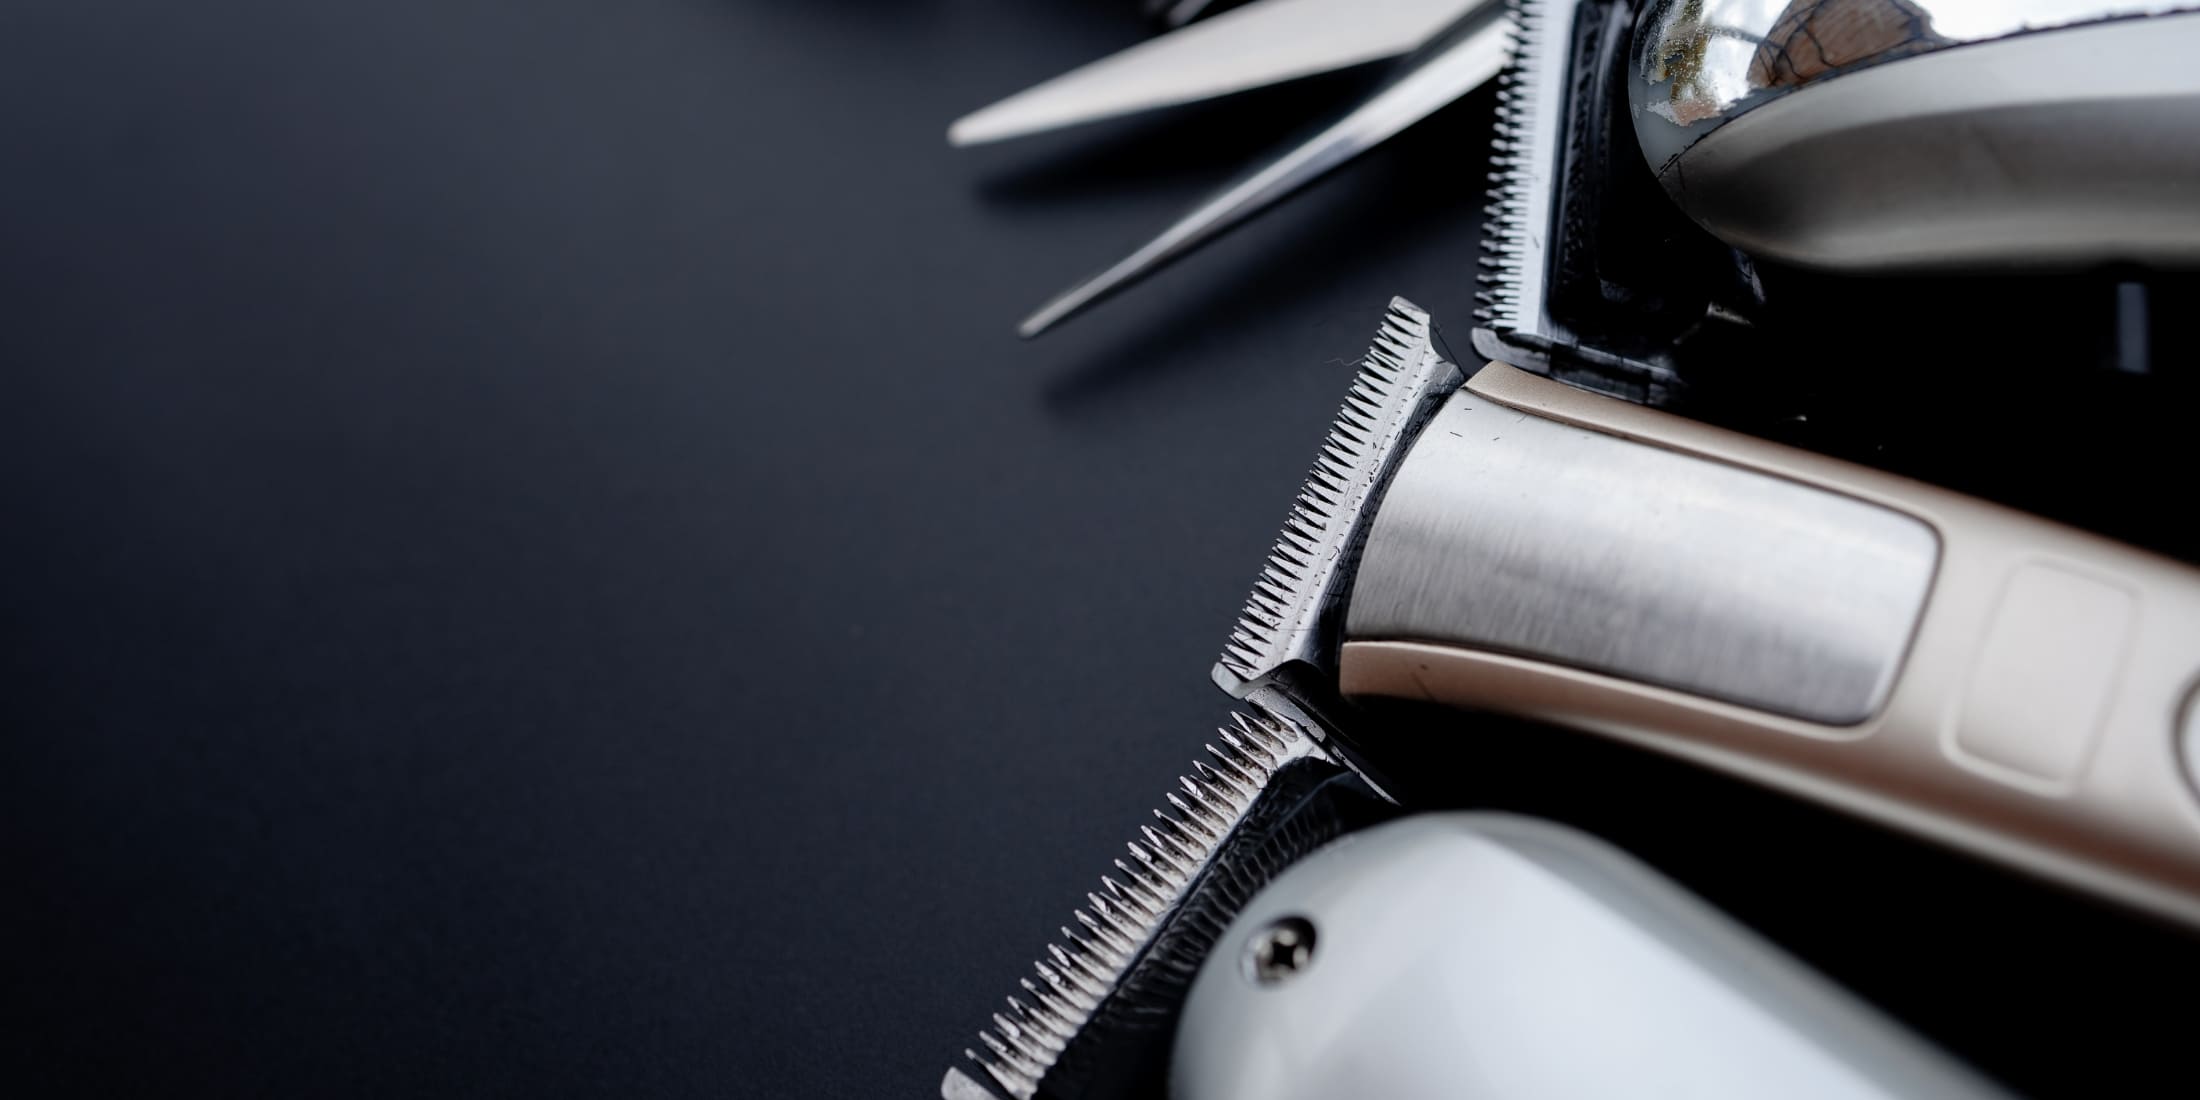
<point>535,564</point>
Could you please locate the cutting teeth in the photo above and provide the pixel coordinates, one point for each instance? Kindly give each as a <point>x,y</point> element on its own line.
<point>1399,380</point>
<point>1078,972</point>
<point>1516,181</point>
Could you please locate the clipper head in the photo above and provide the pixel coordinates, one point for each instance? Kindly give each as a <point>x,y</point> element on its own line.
<point>1291,617</point>
<point>1588,273</point>
<point>1096,1018</point>
<point>1509,279</point>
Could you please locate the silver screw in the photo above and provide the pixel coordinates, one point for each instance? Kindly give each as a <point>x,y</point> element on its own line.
<point>1280,950</point>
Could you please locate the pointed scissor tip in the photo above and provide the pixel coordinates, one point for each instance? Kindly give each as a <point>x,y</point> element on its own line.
<point>971,129</point>
<point>1073,301</point>
<point>1050,315</point>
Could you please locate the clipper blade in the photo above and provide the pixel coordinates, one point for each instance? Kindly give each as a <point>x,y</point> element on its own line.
<point>1288,618</point>
<point>1588,274</point>
<point>1531,106</point>
<point>1137,942</point>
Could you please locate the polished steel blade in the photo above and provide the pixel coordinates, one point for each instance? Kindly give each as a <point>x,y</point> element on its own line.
<point>1253,766</point>
<point>1460,60</point>
<point>1261,43</point>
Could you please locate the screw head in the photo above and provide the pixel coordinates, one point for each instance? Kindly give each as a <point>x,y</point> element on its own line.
<point>1280,951</point>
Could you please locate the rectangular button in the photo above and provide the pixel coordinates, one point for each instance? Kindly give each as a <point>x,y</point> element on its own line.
<point>2044,675</point>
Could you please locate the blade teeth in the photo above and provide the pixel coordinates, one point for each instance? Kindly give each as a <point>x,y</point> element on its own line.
<point>1016,1073</point>
<point>1233,772</point>
<point>1032,1043</point>
<point>1503,265</point>
<point>1292,583</point>
<point>1053,1011</point>
<point>1196,816</point>
<point>1077,972</point>
<point>1106,935</point>
<point>1226,789</point>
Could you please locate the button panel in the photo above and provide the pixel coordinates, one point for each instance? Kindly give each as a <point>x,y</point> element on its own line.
<point>2046,672</point>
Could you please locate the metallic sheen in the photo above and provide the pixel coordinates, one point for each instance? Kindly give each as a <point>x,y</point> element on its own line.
<point>1459,60</point>
<point>1262,43</point>
<point>1524,163</point>
<point>1701,63</point>
<point>1078,972</point>
<point>1876,135</point>
<point>1290,617</point>
<point>1508,532</point>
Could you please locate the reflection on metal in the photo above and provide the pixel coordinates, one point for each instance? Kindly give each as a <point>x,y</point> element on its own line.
<point>1879,135</point>
<point>1701,62</point>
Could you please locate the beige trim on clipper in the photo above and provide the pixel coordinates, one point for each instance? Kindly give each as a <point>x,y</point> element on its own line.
<point>2034,715</point>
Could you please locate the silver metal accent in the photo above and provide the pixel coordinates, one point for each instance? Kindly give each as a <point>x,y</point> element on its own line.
<point>1457,61</point>
<point>1291,607</point>
<point>1279,952</point>
<point>957,1085</point>
<point>1490,957</point>
<point>1076,974</point>
<point>1532,97</point>
<point>1876,134</point>
<point>1258,44</point>
<point>1508,532</point>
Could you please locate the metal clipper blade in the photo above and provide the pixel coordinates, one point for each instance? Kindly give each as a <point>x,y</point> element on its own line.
<point>1096,1017</point>
<point>1523,155</point>
<point>1290,616</point>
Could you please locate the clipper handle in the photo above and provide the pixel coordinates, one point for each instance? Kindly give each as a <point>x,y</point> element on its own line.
<point>1987,678</point>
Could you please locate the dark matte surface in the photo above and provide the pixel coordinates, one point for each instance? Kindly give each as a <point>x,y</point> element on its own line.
<point>537,563</point>
<point>536,566</point>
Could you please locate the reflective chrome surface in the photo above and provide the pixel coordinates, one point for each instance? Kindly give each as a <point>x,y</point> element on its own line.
<point>1507,532</point>
<point>1700,63</point>
<point>1853,140</point>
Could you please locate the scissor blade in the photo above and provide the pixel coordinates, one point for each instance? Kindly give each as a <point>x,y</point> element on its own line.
<point>1176,13</point>
<point>1261,43</point>
<point>1463,58</point>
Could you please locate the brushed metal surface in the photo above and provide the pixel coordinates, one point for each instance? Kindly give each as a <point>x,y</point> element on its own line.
<point>1508,532</point>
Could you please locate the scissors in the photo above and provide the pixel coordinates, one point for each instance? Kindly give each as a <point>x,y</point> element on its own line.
<point>1446,49</point>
